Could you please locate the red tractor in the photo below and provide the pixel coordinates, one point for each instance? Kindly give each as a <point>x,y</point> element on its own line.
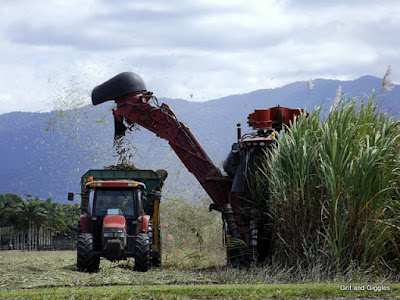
<point>119,218</point>
<point>230,194</point>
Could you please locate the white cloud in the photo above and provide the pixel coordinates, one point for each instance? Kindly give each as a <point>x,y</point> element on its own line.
<point>205,48</point>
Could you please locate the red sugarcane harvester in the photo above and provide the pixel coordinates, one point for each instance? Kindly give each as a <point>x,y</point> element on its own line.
<point>246,238</point>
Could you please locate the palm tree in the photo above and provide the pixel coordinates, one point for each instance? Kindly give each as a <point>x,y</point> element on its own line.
<point>8,208</point>
<point>36,219</point>
<point>70,217</point>
<point>55,221</point>
<point>31,215</point>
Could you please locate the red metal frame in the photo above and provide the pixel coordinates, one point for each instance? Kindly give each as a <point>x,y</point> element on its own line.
<point>272,117</point>
<point>85,225</point>
<point>144,221</point>
<point>116,184</point>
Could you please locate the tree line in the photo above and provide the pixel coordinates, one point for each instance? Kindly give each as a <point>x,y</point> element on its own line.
<point>31,223</point>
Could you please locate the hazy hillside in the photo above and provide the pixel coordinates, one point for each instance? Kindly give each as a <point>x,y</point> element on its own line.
<point>44,154</point>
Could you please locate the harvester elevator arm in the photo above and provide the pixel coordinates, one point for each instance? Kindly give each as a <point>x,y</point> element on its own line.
<point>143,109</point>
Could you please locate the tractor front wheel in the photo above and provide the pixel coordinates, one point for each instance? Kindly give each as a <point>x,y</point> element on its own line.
<point>142,252</point>
<point>86,261</point>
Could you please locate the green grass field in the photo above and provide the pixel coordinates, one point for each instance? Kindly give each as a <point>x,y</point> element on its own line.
<point>52,275</point>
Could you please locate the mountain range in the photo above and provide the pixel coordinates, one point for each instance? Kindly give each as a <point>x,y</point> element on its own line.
<point>44,154</point>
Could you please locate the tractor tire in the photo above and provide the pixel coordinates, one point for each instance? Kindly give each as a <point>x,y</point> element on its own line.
<point>142,252</point>
<point>86,260</point>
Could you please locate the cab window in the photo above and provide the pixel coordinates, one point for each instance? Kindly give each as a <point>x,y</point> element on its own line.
<point>90,203</point>
<point>122,199</point>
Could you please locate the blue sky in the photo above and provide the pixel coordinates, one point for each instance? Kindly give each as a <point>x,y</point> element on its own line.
<point>55,52</point>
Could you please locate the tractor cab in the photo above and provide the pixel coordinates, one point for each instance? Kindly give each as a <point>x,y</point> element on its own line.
<point>122,196</point>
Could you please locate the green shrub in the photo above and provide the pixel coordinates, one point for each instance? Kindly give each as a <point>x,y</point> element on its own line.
<point>191,235</point>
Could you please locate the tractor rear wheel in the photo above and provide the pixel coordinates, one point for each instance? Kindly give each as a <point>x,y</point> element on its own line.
<point>142,252</point>
<point>86,260</point>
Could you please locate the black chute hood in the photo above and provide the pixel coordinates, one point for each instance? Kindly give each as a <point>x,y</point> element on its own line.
<point>120,85</point>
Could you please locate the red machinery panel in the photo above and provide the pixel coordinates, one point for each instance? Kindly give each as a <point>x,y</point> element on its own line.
<point>273,118</point>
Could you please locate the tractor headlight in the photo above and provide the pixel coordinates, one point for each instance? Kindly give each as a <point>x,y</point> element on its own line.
<point>114,232</point>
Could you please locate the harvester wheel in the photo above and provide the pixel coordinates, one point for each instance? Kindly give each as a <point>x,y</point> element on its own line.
<point>237,258</point>
<point>86,261</point>
<point>142,252</point>
<point>233,257</point>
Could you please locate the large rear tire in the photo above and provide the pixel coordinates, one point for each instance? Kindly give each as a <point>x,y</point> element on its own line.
<point>86,260</point>
<point>142,252</point>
